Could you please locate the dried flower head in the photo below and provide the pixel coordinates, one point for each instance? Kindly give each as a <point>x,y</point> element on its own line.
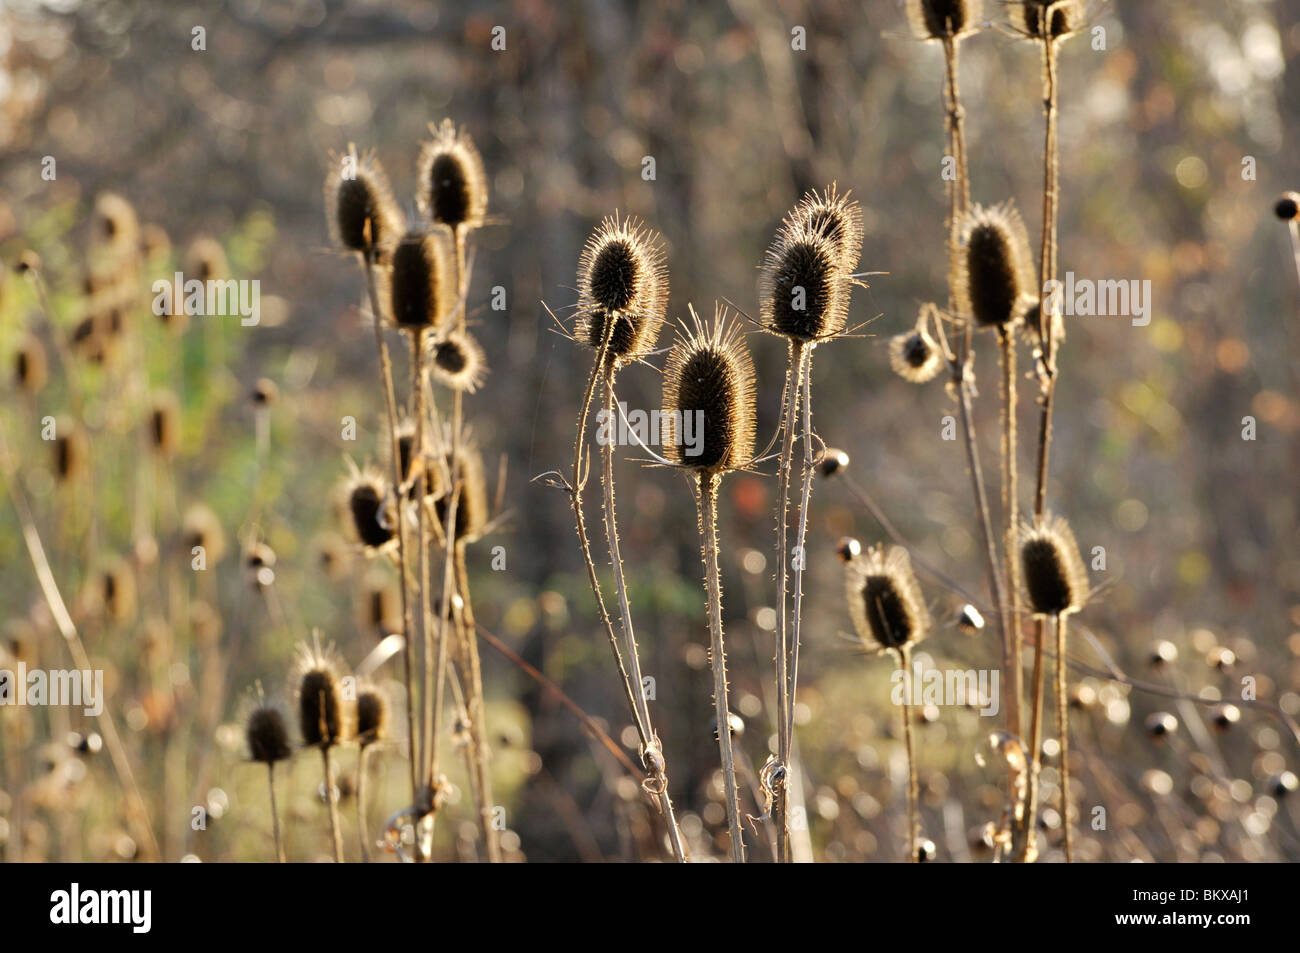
<point>709,387</point>
<point>472,494</point>
<point>993,270</point>
<point>433,487</point>
<point>30,366</point>
<point>848,549</point>
<point>943,19</point>
<point>267,735</point>
<point>1048,19</point>
<point>201,528</point>
<point>372,715</point>
<point>71,450</point>
<point>885,600</point>
<point>914,355</point>
<point>259,561</point>
<point>1288,207</point>
<point>1055,579</point>
<point>422,281</point>
<point>28,262</point>
<point>453,187</point>
<point>323,719</point>
<point>622,276</point>
<point>116,221</point>
<point>832,462</point>
<point>205,260</point>
<point>264,393</point>
<point>373,516</point>
<point>116,591</point>
<point>362,214</point>
<point>803,292</point>
<point>164,424</point>
<point>838,219</point>
<point>456,361</point>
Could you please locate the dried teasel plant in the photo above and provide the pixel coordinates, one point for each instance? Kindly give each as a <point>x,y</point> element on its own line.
<point>1287,209</point>
<point>914,355</point>
<point>944,19</point>
<point>889,615</point>
<point>267,737</point>
<point>371,729</point>
<point>324,718</point>
<point>710,377</point>
<point>804,288</point>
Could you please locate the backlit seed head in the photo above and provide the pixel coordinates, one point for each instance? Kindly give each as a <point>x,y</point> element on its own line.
<point>1288,207</point>
<point>1056,582</point>
<point>848,549</point>
<point>969,620</point>
<point>709,373</point>
<point>833,462</point>
<point>116,220</point>
<point>323,718</point>
<point>267,735</point>
<point>433,476</point>
<point>803,291</point>
<point>1048,19</point>
<point>456,361</point>
<point>31,371</point>
<point>453,187</point>
<point>622,289</point>
<point>164,424</point>
<point>885,600</point>
<point>943,19</point>
<point>421,281</point>
<point>1224,717</point>
<point>71,450</point>
<point>472,497</point>
<point>838,219</point>
<point>362,214</point>
<point>116,592</point>
<point>372,715</point>
<point>373,518</point>
<point>28,261</point>
<point>1161,724</point>
<point>993,269</point>
<point>264,393</point>
<point>200,527</point>
<point>205,260</point>
<point>915,356</point>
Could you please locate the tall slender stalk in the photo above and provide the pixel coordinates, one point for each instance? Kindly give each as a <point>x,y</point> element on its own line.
<point>801,538</point>
<point>1011,508</point>
<point>362,826</point>
<point>1063,730</point>
<point>422,541</point>
<point>1294,228</point>
<point>913,789</point>
<point>707,494</point>
<point>336,834</point>
<point>275,813</point>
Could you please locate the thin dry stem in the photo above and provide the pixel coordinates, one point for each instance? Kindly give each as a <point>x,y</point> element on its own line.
<point>913,795</point>
<point>1063,730</point>
<point>275,814</point>
<point>336,834</point>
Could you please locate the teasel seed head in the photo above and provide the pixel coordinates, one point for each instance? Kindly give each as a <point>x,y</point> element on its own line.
<point>456,361</point>
<point>1056,582</point>
<point>1288,207</point>
<point>164,424</point>
<point>200,527</point>
<point>422,281</point>
<point>622,279</point>
<point>472,495</point>
<point>27,262</point>
<point>362,214</point>
<point>433,487</point>
<point>71,450</point>
<point>803,291</point>
<point>372,715</point>
<point>117,591</point>
<point>1048,19</point>
<point>848,549</point>
<point>838,219</point>
<point>914,355</point>
<point>993,270</point>
<point>267,735</point>
<point>373,518</point>
<point>205,260</point>
<point>709,373</point>
<point>117,222</point>
<point>453,187</point>
<point>259,561</point>
<point>378,607</point>
<point>31,370</point>
<point>943,19</point>
<point>970,620</point>
<point>264,393</point>
<point>323,718</point>
<point>885,600</point>
<point>832,463</point>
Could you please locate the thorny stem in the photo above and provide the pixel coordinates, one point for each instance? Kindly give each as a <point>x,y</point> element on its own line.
<point>1011,509</point>
<point>361,804</point>
<point>1063,730</point>
<point>913,795</point>
<point>335,833</point>
<point>801,538</point>
<point>1024,832</point>
<point>708,499</point>
<point>275,814</point>
<point>422,540</point>
<point>784,703</point>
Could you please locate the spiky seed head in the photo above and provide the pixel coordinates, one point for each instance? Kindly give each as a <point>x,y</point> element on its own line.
<point>453,187</point>
<point>943,19</point>
<point>709,387</point>
<point>472,495</point>
<point>205,260</point>
<point>164,424</point>
<point>71,450</point>
<point>803,291</point>
<point>117,222</point>
<point>370,509</point>
<point>323,719</point>
<point>200,527</point>
<point>31,370</point>
<point>422,281</point>
<point>1048,19</point>
<point>362,214</point>
<point>117,591</point>
<point>457,362</point>
<point>914,355</point>
<point>372,715</point>
<point>848,549</point>
<point>838,219</point>
<point>885,600</point>
<point>1056,582</point>
<point>267,735</point>
<point>1288,206</point>
<point>993,270</point>
<point>970,620</point>
<point>833,462</point>
<point>622,289</point>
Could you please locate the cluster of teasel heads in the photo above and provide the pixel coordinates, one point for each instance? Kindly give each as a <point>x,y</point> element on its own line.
<point>431,501</point>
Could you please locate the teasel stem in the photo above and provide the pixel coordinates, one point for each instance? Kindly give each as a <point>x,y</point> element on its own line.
<point>913,789</point>
<point>1025,831</point>
<point>804,500</point>
<point>1011,507</point>
<point>362,826</point>
<point>956,115</point>
<point>1063,729</point>
<point>707,490</point>
<point>275,814</point>
<point>417,456</point>
<point>408,622</point>
<point>1294,227</point>
<point>336,835</point>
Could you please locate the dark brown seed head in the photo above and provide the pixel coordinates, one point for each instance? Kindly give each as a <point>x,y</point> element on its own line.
<point>117,592</point>
<point>914,355</point>
<point>368,504</point>
<point>71,450</point>
<point>30,367</point>
<point>456,361</point>
<point>970,620</point>
<point>803,291</point>
<point>885,601</point>
<point>1055,580</point>
<point>472,496</point>
<point>363,216</point>
<point>833,462</point>
<point>621,275</point>
<point>1288,207</point>
<point>838,219</point>
<point>453,186</point>
<point>372,715</point>
<point>993,271</point>
<point>422,281</point>
<point>377,606</point>
<point>117,223</point>
<point>200,527</point>
<point>432,474</point>
<point>943,19</point>
<point>164,424</point>
<point>267,735</point>
<point>323,718</point>
<point>708,393</point>
<point>848,549</point>
<point>1050,19</point>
